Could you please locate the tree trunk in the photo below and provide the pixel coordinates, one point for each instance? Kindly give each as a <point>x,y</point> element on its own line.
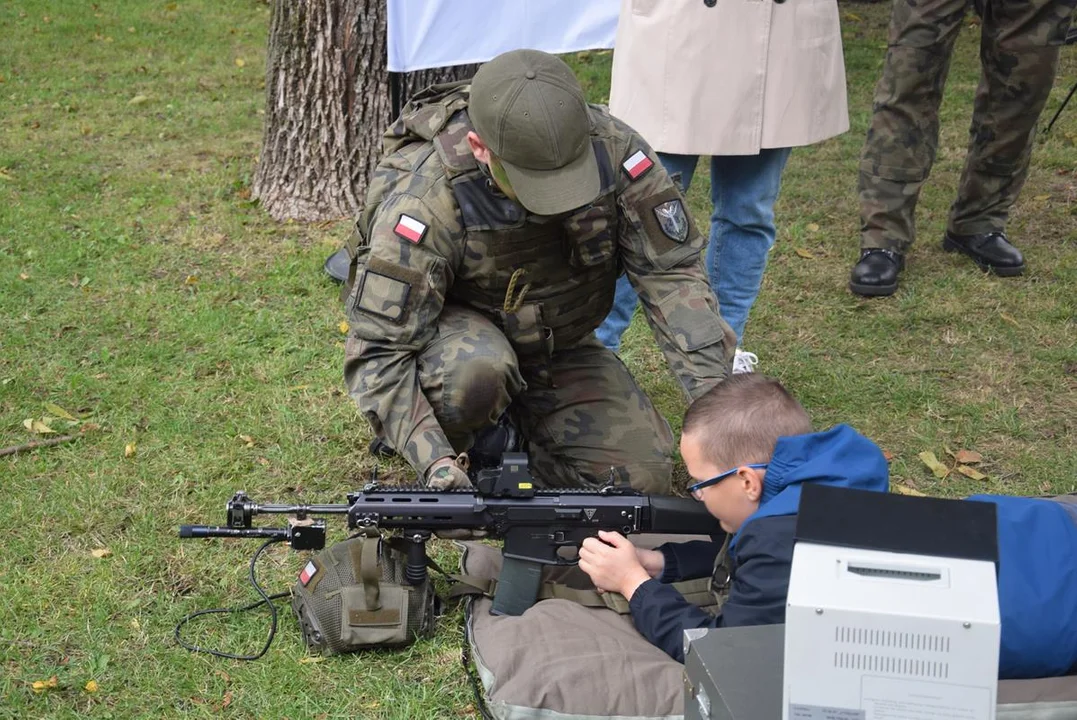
<point>327,105</point>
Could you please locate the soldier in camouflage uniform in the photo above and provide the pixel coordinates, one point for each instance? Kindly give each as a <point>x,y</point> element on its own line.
<point>1019,48</point>
<point>486,255</point>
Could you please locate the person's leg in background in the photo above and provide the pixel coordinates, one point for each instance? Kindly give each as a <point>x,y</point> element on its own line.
<point>625,300</point>
<point>903,138</point>
<point>744,189</point>
<point>1019,47</point>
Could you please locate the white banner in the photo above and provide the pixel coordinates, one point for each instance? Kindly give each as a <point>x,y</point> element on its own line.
<point>439,33</point>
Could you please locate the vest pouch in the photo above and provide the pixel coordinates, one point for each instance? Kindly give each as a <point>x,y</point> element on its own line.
<point>384,625</point>
<point>530,337</point>
<point>354,596</point>
<point>591,238</point>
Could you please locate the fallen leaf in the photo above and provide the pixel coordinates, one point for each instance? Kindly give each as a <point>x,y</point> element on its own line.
<point>240,62</point>
<point>138,100</point>
<point>1042,197</point>
<point>937,468</point>
<point>247,439</point>
<point>5,174</point>
<point>1010,319</point>
<point>310,659</point>
<point>91,687</point>
<point>344,327</point>
<point>967,457</point>
<point>888,455</point>
<point>806,254</point>
<point>971,473</point>
<point>37,426</point>
<point>813,227</point>
<point>135,625</point>
<point>853,16</point>
<point>129,450</point>
<point>40,686</point>
<point>191,280</point>
<point>299,387</point>
<point>23,276</point>
<point>227,699</point>
<point>905,490</point>
<point>101,553</point>
<point>58,411</point>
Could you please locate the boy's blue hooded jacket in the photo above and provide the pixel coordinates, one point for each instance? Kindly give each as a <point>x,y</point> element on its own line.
<point>762,551</point>
<point>1037,569</point>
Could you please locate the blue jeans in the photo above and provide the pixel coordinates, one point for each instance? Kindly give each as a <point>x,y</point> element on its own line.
<point>743,191</point>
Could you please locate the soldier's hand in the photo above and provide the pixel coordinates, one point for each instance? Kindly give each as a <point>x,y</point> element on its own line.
<point>447,474</point>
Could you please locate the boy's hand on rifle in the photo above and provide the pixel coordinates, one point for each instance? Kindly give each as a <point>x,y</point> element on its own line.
<point>612,563</point>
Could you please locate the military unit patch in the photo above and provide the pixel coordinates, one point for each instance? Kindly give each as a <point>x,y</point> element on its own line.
<point>410,229</point>
<point>308,573</point>
<point>673,220</point>
<point>637,164</point>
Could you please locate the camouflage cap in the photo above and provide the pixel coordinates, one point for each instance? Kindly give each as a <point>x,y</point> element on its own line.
<point>529,109</point>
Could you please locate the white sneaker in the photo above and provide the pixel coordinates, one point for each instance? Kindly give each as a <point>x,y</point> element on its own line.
<point>744,362</point>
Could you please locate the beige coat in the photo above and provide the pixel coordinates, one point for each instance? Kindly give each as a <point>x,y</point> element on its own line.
<point>729,79</point>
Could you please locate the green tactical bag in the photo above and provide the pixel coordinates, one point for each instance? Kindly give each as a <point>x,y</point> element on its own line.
<point>353,596</point>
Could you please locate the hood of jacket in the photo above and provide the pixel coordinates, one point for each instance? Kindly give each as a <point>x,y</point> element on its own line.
<point>839,457</point>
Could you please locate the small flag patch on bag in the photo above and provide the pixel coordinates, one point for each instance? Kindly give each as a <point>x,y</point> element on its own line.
<point>637,164</point>
<point>308,573</point>
<point>410,229</point>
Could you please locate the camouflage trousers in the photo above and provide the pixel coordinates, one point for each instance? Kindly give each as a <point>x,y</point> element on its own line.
<point>582,413</point>
<point>1019,48</point>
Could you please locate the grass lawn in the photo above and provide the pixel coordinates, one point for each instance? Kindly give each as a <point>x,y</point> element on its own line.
<point>198,348</point>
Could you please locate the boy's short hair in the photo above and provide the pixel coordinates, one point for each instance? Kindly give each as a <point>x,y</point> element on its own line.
<point>740,420</point>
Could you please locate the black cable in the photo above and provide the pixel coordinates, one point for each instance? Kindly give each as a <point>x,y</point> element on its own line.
<point>266,600</point>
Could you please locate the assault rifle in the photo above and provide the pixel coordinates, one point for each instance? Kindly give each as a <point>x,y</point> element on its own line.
<point>534,524</point>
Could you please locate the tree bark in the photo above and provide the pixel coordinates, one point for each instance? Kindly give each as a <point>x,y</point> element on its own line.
<point>327,105</point>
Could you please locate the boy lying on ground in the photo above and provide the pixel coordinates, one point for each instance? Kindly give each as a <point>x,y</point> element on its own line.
<point>749,446</point>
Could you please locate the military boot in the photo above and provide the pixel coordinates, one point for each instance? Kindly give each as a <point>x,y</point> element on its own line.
<point>876,273</point>
<point>991,251</point>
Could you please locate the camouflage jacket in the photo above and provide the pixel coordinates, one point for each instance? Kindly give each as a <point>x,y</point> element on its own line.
<point>435,230</point>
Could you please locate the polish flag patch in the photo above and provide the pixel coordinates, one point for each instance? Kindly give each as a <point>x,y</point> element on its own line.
<point>308,573</point>
<point>637,164</point>
<point>410,229</point>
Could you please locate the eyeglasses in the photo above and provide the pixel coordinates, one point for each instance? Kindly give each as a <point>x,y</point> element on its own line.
<point>693,489</point>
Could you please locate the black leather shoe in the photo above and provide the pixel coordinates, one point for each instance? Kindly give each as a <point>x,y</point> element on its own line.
<point>991,251</point>
<point>877,272</point>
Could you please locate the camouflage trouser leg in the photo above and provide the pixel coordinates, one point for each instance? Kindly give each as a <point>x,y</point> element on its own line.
<point>594,420</point>
<point>1019,54</point>
<point>468,373</point>
<point>904,133</point>
<point>1019,47</point>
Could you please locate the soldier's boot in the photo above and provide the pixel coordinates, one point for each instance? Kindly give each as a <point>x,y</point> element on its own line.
<point>991,251</point>
<point>491,443</point>
<point>876,273</point>
<point>379,448</point>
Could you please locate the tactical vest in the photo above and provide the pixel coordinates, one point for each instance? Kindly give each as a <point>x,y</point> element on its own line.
<point>546,282</point>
